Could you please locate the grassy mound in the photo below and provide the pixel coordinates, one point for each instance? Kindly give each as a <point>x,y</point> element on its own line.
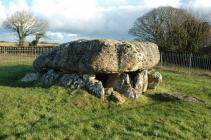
<point>32,112</point>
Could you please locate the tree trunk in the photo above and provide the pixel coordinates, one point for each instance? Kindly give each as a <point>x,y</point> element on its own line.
<point>36,42</point>
<point>21,36</point>
<point>21,42</point>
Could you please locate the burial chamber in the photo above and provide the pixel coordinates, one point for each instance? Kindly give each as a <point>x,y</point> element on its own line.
<point>104,67</point>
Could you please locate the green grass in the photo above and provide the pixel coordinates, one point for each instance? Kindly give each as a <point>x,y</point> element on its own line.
<point>33,112</point>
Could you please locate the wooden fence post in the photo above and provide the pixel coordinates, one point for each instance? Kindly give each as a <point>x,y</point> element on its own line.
<point>161,59</point>
<point>35,52</point>
<point>190,62</point>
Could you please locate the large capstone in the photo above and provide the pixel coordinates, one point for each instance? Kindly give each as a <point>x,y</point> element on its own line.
<point>99,56</point>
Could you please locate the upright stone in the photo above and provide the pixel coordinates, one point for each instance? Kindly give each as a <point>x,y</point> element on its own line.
<point>154,79</point>
<point>141,82</point>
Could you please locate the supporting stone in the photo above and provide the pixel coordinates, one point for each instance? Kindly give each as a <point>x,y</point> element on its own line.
<point>154,79</point>
<point>131,85</point>
<point>95,87</point>
<point>122,84</point>
<point>140,83</point>
<point>49,78</point>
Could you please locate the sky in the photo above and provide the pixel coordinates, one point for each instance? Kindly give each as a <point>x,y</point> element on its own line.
<point>74,19</point>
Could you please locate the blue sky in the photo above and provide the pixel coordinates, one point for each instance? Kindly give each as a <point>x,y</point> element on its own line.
<point>74,19</point>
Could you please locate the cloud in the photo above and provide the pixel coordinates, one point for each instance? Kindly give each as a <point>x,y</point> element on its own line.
<point>61,36</point>
<point>88,17</point>
<point>72,19</point>
<point>57,35</point>
<point>157,3</point>
<point>2,13</point>
<point>200,3</point>
<point>16,5</point>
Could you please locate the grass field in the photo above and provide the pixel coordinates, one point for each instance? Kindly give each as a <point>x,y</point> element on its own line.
<point>14,59</point>
<point>33,112</point>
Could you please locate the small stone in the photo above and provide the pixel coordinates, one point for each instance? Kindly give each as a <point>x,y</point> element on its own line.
<point>108,91</point>
<point>30,77</point>
<point>115,96</point>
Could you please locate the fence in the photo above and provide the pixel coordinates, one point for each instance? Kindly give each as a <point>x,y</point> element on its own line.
<point>20,55</point>
<point>188,60</point>
<point>24,50</point>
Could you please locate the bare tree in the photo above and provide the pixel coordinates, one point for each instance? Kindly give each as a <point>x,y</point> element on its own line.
<point>170,28</point>
<point>38,36</point>
<point>24,24</point>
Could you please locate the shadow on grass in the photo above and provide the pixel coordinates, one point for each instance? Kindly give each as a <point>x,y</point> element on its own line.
<point>11,75</point>
<point>158,97</point>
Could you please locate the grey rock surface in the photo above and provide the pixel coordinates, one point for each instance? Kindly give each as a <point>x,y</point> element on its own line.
<point>95,87</point>
<point>49,78</point>
<point>73,81</point>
